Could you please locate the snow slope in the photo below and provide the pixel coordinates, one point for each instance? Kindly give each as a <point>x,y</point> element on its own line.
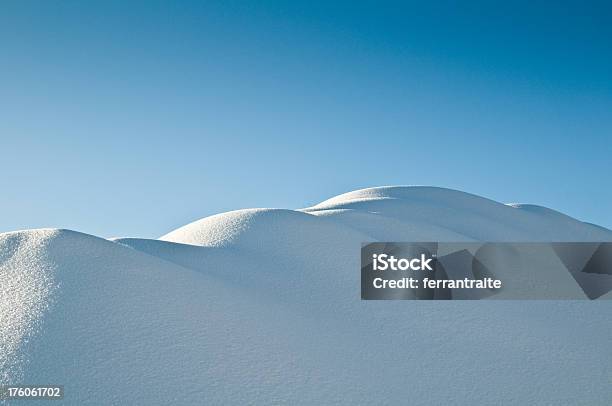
<point>261,306</point>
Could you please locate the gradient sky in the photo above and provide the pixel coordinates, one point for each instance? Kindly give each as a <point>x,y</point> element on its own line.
<point>133,118</point>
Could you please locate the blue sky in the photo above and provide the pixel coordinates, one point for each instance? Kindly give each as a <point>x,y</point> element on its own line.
<point>133,118</point>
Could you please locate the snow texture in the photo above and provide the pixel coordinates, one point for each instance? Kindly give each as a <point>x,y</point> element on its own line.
<point>262,306</point>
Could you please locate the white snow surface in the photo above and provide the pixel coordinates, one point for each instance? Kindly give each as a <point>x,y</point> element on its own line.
<point>262,306</point>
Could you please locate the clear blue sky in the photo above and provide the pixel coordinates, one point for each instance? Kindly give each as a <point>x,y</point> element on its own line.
<point>133,118</point>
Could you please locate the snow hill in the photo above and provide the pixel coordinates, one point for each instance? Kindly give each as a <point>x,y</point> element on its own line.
<point>262,306</point>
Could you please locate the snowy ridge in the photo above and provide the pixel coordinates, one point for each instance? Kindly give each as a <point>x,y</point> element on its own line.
<point>261,306</point>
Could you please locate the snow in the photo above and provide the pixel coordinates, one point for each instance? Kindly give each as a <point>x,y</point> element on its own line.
<point>261,306</point>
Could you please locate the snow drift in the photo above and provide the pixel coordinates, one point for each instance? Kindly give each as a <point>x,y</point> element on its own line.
<point>261,306</point>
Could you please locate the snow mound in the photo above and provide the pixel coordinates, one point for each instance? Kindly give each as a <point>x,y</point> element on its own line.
<point>261,229</point>
<point>468,215</point>
<point>261,306</point>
